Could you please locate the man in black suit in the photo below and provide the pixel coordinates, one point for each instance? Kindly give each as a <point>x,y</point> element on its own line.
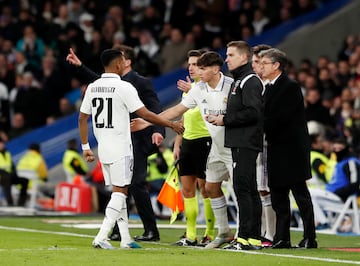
<point>144,141</point>
<point>288,149</point>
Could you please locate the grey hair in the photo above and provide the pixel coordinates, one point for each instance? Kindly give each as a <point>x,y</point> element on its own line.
<point>276,55</point>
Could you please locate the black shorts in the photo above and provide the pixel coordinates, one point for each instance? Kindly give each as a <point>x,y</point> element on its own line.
<point>193,156</point>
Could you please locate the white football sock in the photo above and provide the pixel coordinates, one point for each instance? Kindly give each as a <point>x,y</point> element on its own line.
<point>220,211</point>
<point>123,222</point>
<point>112,214</point>
<point>270,217</point>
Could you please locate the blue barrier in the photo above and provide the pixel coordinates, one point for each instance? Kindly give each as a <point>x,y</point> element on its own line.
<point>52,140</point>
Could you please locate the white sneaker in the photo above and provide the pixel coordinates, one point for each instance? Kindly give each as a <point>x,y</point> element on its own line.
<point>103,244</point>
<point>221,239</point>
<point>132,244</point>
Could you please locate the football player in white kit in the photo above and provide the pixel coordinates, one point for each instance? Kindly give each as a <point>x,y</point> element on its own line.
<point>110,100</point>
<point>210,95</point>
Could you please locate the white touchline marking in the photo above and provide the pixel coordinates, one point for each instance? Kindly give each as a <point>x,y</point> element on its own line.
<point>37,249</point>
<point>298,257</point>
<point>43,231</point>
<point>163,244</point>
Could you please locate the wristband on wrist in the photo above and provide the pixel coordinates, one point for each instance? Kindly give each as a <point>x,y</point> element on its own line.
<point>85,146</point>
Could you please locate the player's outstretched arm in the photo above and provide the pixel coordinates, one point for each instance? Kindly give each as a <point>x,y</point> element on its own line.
<point>159,120</point>
<point>138,124</point>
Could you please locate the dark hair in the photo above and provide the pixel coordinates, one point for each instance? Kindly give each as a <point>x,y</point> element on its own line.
<point>108,55</point>
<point>127,51</point>
<point>34,147</point>
<point>196,53</point>
<point>261,47</point>
<point>340,140</point>
<point>210,59</point>
<point>72,144</point>
<point>313,138</point>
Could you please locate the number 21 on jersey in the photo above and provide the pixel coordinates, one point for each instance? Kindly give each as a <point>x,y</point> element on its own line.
<point>103,114</point>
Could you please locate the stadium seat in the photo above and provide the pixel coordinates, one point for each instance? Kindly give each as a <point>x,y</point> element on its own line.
<point>350,207</point>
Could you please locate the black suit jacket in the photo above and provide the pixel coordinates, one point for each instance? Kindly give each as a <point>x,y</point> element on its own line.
<point>287,134</point>
<point>142,139</point>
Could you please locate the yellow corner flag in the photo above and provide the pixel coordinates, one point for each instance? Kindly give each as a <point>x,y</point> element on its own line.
<point>170,194</point>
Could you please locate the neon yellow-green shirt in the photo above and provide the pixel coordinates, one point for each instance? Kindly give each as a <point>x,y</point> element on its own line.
<point>194,124</point>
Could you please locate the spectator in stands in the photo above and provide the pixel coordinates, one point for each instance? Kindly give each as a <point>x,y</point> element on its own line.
<point>199,39</point>
<point>97,45</point>
<point>65,108</point>
<point>46,27</point>
<point>74,95</point>
<point>159,164</point>
<point>174,54</point>
<point>314,109</point>
<point>343,117</point>
<point>31,166</point>
<point>326,84</point>
<point>7,171</point>
<point>177,13</point>
<point>75,8</point>
<point>213,12</point>
<point>151,20</point>
<point>8,24</point>
<point>22,65</point>
<point>305,6</point>
<point>346,177</point>
<point>32,46</point>
<point>344,74</point>
<point>87,26</point>
<point>30,101</point>
<point>165,35</point>
<point>73,162</point>
<point>147,55</point>
<point>116,13</point>
<point>241,21</point>
<point>7,74</point>
<point>108,31</point>
<point>4,107</point>
<point>62,19</point>
<point>18,126</point>
<point>321,165</point>
<point>119,38</point>
<point>285,14</point>
<point>260,21</point>
<point>54,84</point>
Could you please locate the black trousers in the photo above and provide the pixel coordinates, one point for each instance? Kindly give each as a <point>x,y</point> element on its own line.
<point>139,191</point>
<point>245,188</point>
<point>281,205</point>
<point>7,180</point>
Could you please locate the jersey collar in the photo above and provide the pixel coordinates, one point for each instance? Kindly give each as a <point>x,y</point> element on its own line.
<point>110,75</point>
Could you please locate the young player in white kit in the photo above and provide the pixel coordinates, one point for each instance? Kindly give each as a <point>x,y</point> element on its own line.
<point>110,101</point>
<point>210,95</point>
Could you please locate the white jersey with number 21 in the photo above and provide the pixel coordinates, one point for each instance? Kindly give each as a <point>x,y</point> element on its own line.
<point>110,100</point>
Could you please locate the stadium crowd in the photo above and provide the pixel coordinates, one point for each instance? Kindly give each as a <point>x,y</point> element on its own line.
<point>38,85</point>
